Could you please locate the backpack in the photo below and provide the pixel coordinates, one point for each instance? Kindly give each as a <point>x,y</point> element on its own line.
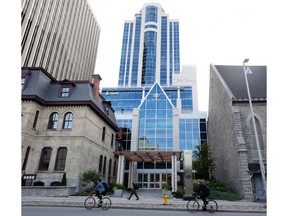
<point>105,186</point>
<point>136,186</point>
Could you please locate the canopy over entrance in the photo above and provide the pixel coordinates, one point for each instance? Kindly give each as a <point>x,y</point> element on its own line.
<point>148,156</point>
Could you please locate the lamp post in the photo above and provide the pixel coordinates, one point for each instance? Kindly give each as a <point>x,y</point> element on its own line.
<point>262,168</point>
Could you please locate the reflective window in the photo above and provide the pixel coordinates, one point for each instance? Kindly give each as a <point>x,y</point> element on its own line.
<point>45,158</point>
<point>68,118</point>
<point>61,158</point>
<point>53,120</point>
<point>151,14</point>
<point>156,124</point>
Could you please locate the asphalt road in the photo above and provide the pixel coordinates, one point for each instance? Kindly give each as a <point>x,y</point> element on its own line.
<point>71,211</point>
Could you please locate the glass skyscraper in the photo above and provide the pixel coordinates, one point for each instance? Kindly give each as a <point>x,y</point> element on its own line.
<point>155,103</point>
<point>150,48</point>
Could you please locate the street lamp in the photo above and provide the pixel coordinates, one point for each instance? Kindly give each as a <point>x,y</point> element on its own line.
<point>262,168</point>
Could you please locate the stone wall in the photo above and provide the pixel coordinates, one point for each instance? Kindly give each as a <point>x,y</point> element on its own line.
<point>52,191</point>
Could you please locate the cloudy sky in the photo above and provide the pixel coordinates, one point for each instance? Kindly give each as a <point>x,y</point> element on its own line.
<point>220,32</point>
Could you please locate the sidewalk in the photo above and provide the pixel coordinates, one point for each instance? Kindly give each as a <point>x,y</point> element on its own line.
<point>149,199</point>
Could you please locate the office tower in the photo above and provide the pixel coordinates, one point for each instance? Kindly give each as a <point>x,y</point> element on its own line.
<point>155,103</point>
<point>150,48</point>
<point>59,36</point>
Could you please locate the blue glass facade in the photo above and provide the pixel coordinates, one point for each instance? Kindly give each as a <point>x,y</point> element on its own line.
<point>151,46</point>
<point>162,114</point>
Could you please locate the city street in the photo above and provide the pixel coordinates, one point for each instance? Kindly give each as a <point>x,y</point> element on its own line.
<point>71,211</point>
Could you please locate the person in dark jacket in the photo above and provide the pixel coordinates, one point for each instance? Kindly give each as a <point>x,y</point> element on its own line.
<point>134,188</point>
<point>203,191</point>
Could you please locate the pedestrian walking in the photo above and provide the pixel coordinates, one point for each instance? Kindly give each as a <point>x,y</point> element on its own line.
<point>134,189</point>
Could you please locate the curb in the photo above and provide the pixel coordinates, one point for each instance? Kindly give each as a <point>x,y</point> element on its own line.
<point>150,206</point>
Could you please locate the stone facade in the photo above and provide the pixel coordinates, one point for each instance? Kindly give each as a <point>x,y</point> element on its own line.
<point>83,141</point>
<point>229,137</point>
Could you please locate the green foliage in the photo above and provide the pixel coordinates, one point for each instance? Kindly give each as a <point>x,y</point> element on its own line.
<point>203,163</point>
<point>90,175</point>
<point>64,180</point>
<point>166,187</point>
<point>215,185</point>
<point>114,185</point>
<point>179,193</point>
<point>219,195</point>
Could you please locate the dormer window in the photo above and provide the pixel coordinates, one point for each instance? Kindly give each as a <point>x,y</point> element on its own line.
<point>65,92</point>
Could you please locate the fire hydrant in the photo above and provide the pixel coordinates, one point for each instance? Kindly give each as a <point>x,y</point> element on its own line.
<point>165,202</point>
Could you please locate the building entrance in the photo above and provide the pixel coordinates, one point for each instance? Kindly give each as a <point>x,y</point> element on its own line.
<point>153,180</point>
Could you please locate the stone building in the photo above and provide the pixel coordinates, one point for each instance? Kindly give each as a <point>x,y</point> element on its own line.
<point>67,127</point>
<point>230,130</point>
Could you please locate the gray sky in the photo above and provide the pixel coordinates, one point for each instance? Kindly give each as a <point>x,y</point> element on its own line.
<point>220,32</point>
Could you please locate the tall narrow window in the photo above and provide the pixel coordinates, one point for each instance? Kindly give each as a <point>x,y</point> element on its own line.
<point>35,119</point>
<point>53,120</point>
<point>65,92</point>
<point>112,139</point>
<point>61,158</point>
<point>68,118</point>
<point>45,158</point>
<point>104,165</point>
<point>26,158</point>
<point>114,169</point>
<point>103,133</point>
<point>100,163</point>
<point>110,167</point>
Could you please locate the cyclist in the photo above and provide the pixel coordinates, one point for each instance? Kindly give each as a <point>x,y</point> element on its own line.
<point>99,190</point>
<point>204,192</point>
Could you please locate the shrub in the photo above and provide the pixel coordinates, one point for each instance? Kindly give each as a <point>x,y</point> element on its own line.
<point>64,181</point>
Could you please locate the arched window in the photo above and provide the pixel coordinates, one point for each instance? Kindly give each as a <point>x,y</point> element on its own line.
<point>100,163</point>
<point>53,120</point>
<point>35,119</point>
<point>68,118</point>
<point>61,158</point>
<point>45,158</point>
<point>103,133</point>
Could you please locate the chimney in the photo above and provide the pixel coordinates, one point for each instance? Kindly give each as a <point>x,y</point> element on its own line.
<point>96,81</point>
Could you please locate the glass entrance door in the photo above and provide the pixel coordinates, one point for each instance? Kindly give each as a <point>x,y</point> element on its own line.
<point>152,180</point>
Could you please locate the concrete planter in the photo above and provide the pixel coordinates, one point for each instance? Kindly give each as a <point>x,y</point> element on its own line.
<point>118,192</point>
<point>48,191</point>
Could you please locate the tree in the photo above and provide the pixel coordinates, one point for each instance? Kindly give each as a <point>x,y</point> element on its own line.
<point>203,163</point>
<point>64,181</point>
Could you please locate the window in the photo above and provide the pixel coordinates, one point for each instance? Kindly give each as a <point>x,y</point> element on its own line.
<point>23,82</point>
<point>26,158</point>
<point>103,133</point>
<point>68,120</point>
<point>110,166</point>
<point>53,120</point>
<point>104,166</point>
<point>100,163</point>
<point>45,158</point>
<point>65,92</point>
<point>61,158</point>
<point>114,169</point>
<point>112,139</point>
<point>35,119</point>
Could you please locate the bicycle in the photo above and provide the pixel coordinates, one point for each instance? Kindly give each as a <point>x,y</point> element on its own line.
<point>193,205</point>
<point>93,202</point>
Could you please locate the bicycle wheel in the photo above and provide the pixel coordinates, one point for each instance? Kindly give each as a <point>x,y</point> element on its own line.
<point>106,203</point>
<point>212,206</point>
<point>89,202</point>
<point>193,206</point>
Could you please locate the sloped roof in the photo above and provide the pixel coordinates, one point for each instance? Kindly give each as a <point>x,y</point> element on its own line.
<point>234,78</point>
<point>43,88</point>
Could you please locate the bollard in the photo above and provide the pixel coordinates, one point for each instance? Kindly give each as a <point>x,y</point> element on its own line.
<point>165,202</point>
